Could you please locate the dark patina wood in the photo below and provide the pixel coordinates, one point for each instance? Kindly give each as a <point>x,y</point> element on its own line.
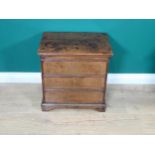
<point>74,70</point>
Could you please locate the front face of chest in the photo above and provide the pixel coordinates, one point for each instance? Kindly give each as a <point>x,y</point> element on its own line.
<point>74,81</point>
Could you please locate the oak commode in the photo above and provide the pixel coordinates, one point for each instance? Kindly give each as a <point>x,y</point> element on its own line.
<point>74,70</point>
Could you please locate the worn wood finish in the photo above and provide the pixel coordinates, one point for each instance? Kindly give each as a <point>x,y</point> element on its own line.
<point>74,44</point>
<point>74,70</point>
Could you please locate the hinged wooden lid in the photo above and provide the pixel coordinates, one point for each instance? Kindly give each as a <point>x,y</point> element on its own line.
<point>68,43</point>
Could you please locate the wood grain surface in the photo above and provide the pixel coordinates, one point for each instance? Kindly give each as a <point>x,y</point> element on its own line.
<point>74,82</point>
<point>70,96</point>
<point>74,43</point>
<point>74,67</point>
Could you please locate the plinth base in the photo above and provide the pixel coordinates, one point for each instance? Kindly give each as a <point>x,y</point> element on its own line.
<point>52,106</point>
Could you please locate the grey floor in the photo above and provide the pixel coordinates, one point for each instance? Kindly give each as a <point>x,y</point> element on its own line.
<point>130,110</point>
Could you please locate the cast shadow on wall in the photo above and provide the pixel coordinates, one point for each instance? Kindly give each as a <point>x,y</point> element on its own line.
<point>151,60</point>
<point>117,60</point>
<point>116,63</point>
<point>22,56</point>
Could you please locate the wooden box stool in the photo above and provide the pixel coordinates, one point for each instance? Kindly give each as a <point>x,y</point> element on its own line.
<point>74,70</point>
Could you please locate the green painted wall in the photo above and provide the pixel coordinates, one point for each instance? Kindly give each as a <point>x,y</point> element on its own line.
<point>133,42</point>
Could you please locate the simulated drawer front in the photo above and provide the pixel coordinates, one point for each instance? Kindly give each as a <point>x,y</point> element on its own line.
<point>74,96</point>
<point>74,82</point>
<point>74,68</point>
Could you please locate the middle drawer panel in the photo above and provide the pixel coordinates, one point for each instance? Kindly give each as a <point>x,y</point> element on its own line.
<point>74,82</point>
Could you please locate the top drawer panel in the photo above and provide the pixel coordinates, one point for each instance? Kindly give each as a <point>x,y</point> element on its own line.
<point>74,68</point>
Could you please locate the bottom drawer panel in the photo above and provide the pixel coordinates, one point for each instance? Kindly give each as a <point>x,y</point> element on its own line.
<point>74,96</point>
